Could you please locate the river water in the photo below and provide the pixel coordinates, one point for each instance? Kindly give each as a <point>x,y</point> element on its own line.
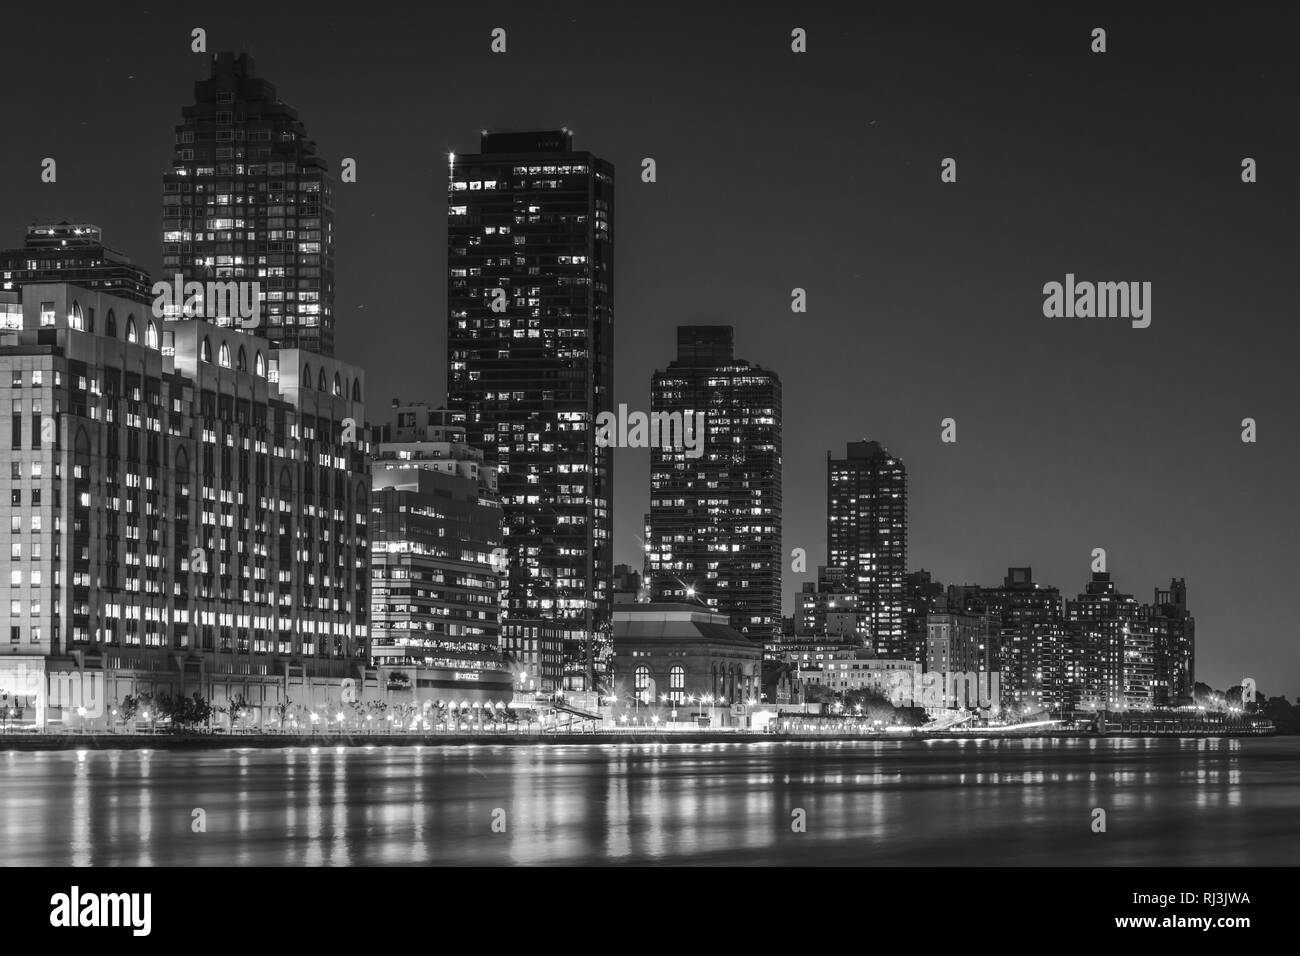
<point>1166,802</point>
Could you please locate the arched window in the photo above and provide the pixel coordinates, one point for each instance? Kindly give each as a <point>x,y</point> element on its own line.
<point>241,360</point>
<point>338,384</point>
<point>205,351</point>
<point>677,683</point>
<point>356,390</point>
<point>223,355</point>
<point>259,364</point>
<point>131,334</point>
<point>641,680</point>
<point>151,335</point>
<point>306,376</point>
<point>76,321</point>
<point>320,381</point>
<point>110,325</point>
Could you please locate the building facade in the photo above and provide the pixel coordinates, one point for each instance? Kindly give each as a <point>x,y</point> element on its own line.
<point>1173,631</point>
<point>1114,647</point>
<point>866,535</point>
<point>186,512</point>
<point>435,529</point>
<point>715,517</point>
<point>1039,657</point>
<point>669,653</point>
<point>249,199</point>
<point>530,301</point>
<point>74,253</point>
<point>893,679</point>
<point>922,596</point>
<point>958,643</point>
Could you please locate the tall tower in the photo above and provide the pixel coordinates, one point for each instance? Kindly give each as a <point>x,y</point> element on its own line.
<point>1117,656</point>
<point>866,536</point>
<point>715,518</point>
<point>249,199</point>
<point>1174,633</point>
<point>530,318</point>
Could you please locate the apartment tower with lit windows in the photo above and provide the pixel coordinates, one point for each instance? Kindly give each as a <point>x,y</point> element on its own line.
<point>714,530</point>
<point>248,198</point>
<point>530,309</point>
<point>866,537</point>
<point>435,522</point>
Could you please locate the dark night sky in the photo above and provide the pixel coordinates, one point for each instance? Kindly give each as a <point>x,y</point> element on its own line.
<point>819,171</point>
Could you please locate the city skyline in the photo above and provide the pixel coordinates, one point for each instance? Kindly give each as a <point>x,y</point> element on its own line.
<point>1095,434</point>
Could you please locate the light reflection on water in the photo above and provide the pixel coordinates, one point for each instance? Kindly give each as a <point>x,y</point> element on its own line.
<point>1190,802</point>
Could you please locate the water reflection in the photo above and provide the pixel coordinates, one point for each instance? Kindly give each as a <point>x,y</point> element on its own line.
<point>1210,802</point>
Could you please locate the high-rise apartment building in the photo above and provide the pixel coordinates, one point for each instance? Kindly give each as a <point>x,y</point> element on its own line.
<point>866,536</point>
<point>715,507</point>
<point>74,253</point>
<point>1038,655</point>
<point>249,199</point>
<point>530,300</point>
<point>1115,649</point>
<point>187,505</point>
<point>1173,632</point>
<point>435,523</point>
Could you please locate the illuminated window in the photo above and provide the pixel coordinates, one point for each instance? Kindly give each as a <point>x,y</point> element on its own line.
<point>677,683</point>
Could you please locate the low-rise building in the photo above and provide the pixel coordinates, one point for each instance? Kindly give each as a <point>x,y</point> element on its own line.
<point>668,654</point>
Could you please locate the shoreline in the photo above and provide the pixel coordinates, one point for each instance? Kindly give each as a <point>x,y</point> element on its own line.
<point>58,742</point>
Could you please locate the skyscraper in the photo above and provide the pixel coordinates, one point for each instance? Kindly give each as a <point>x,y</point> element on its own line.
<point>866,536</point>
<point>1174,634</point>
<point>249,199</point>
<point>715,517</point>
<point>530,313</point>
